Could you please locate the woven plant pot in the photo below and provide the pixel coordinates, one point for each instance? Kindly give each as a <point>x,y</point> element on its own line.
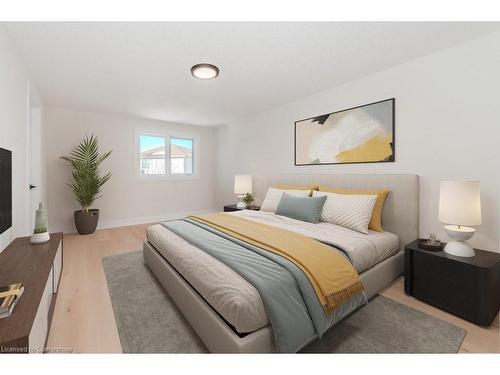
<point>86,222</point>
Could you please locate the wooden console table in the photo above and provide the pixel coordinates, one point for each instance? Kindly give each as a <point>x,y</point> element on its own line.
<point>39,268</point>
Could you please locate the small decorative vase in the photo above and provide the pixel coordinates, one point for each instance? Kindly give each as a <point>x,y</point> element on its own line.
<point>41,232</point>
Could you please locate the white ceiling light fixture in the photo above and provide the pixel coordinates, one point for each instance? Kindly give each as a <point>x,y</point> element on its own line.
<point>205,71</point>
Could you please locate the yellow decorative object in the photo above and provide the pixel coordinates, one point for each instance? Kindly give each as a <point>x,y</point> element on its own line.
<point>375,149</point>
<point>376,219</point>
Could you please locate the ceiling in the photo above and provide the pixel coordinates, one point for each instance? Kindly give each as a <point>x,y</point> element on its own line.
<point>143,69</point>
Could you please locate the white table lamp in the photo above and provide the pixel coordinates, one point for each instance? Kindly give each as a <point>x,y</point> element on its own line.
<point>242,186</point>
<point>459,205</point>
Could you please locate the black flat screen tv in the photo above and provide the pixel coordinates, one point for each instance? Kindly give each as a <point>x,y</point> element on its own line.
<point>5,189</point>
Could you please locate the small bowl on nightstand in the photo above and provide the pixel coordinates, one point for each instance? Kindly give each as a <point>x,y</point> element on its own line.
<point>425,244</point>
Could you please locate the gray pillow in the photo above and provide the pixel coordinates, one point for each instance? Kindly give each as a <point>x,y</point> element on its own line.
<point>301,208</point>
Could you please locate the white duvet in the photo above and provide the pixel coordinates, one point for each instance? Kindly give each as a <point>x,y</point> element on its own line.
<point>364,250</point>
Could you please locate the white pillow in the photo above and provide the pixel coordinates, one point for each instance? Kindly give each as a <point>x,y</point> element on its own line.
<point>352,211</point>
<point>273,197</point>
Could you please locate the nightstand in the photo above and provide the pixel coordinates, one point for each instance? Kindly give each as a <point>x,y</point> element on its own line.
<point>232,207</point>
<point>466,287</point>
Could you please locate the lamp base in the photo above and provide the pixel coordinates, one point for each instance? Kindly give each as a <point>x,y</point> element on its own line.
<point>458,247</point>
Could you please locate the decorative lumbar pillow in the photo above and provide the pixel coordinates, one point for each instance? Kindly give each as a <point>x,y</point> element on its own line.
<point>347,210</point>
<point>301,208</point>
<point>376,219</point>
<point>296,187</point>
<point>273,197</point>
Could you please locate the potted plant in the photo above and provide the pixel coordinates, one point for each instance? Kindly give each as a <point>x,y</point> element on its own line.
<point>87,181</point>
<point>248,200</point>
<point>41,232</point>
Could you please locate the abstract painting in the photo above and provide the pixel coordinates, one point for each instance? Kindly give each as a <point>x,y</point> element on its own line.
<point>363,134</point>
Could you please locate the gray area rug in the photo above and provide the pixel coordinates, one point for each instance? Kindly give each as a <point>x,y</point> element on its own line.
<point>149,322</point>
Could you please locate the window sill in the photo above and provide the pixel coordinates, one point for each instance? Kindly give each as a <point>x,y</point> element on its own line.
<point>174,177</point>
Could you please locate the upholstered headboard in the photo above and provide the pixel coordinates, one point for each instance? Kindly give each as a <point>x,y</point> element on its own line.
<point>401,209</point>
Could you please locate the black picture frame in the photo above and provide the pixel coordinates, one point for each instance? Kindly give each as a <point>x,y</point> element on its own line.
<point>392,159</point>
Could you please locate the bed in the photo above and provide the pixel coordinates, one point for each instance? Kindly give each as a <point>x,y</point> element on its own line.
<point>227,312</point>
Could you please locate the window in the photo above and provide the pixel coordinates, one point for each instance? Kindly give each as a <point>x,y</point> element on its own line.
<point>162,155</point>
<point>181,156</point>
<point>152,155</point>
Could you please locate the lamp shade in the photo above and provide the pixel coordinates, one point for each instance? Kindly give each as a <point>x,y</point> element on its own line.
<point>242,184</point>
<point>460,203</point>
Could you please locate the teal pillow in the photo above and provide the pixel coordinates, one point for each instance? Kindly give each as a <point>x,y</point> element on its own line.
<point>301,208</point>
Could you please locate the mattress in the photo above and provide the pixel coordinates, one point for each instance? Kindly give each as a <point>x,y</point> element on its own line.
<point>234,298</point>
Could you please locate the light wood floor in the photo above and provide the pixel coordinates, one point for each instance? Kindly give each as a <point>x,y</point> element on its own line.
<point>83,317</point>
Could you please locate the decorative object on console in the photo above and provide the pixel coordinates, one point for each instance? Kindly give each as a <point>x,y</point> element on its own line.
<point>363,134</point>
<point>41,232</point>
<point>242,186</point>
<point>9,296</point>
<point>87,181</point>
<point>459,205</point>
<point>248,200</point>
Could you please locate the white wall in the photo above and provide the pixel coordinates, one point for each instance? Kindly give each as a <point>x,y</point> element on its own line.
<point>447,127</point>
<point>126,200</point>
<point>14,80</point>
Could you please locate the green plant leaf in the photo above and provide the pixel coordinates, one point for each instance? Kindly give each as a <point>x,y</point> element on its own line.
<point>85,162</point>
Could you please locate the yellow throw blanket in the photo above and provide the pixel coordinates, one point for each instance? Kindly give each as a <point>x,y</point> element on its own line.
<point>334,279</point>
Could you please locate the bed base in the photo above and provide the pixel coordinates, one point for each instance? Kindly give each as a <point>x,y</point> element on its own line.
<point>215,333</point>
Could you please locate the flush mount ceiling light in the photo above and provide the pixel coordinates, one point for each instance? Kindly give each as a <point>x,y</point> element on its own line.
<point>205,71</point>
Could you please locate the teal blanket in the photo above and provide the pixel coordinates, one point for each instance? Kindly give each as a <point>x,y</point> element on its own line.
<point>292,305</point>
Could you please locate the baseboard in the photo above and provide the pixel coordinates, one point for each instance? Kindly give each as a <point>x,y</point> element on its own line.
<point>135,221</point>
<point>6,238</point>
